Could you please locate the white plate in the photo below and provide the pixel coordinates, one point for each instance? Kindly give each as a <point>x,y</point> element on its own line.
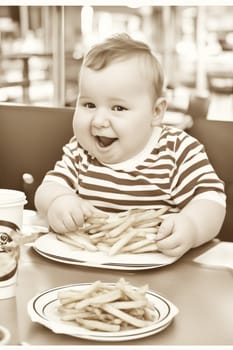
<point>52,248</point>
<point>43,309</point>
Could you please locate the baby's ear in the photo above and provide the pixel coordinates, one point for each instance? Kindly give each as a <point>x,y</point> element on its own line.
<point>160,107</point>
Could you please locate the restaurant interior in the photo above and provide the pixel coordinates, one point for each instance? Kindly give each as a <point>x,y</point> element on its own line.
<point>41,50</point>
<point>42,47</point>
<point>190,297</point>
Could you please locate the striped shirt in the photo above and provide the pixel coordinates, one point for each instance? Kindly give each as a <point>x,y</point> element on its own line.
<point>171,171</point>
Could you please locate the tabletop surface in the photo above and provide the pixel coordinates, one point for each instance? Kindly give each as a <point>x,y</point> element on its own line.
<point>202,294</point>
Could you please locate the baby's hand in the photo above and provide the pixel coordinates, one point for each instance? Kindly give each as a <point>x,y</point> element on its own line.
<point>176,235</point>
<point>68,212</point>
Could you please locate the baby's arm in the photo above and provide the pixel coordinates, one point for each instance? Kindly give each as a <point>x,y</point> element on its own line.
<point>198,222</point>
<point>64,209</point>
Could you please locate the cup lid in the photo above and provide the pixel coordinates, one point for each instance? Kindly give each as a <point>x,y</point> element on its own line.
<point>9,197</point>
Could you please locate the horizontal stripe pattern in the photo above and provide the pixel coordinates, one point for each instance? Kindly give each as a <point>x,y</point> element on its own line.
<point>175,171</point>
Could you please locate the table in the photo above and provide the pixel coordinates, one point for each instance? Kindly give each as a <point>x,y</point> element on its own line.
<point>202,294</point>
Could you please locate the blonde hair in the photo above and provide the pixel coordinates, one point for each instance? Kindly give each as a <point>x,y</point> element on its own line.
<point>120,47</point>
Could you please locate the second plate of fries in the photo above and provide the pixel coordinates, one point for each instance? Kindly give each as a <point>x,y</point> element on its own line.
<point>102,311</point>
<point>121,241</point>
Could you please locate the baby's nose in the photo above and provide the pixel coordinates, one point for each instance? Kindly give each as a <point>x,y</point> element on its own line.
<point>100,120</point>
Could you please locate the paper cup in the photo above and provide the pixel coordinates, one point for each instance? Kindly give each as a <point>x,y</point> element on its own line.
<point>8,274</point>
<point>8,287</point>
<point>4,335</point>
<point>11,208</point>
<point>11,219</point>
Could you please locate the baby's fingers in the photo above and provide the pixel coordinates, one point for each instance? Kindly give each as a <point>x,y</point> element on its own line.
<point>89,210</point>
<point>175,252</point>
<point>165,228</point>
<point>57,224</point>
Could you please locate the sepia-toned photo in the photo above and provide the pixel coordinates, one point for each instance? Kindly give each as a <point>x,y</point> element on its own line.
<point>116,177</point>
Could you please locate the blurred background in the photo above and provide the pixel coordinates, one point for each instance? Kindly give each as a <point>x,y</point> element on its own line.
<point>42,47</point>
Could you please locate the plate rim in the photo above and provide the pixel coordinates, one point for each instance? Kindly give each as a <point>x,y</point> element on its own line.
<point>92,263</point>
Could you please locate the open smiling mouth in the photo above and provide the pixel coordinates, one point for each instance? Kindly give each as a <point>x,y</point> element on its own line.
<point>104,141</point>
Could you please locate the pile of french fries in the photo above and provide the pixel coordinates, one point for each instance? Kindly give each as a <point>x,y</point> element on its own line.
<point>107,307</point>
<point>133,231</point>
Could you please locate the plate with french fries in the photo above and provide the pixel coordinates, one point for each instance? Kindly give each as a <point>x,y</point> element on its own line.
<point>125,241</point>
<point>102,311</point>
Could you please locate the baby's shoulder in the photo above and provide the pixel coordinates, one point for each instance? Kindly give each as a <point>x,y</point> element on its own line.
<point>173,138</point>
<point>172,134</point>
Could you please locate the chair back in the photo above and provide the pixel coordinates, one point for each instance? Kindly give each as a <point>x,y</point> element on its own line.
<point>198,106</point>
<point>217,137</point>
<point>31,140</point>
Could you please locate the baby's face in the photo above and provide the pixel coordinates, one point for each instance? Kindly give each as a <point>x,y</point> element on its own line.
<point>114,113</point>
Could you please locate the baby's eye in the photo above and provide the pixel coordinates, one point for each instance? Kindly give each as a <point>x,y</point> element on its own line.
<point>118,108</point>
<point>89,105</point>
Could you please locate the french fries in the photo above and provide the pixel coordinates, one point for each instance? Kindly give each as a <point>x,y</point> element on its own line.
<point>106,307</point>
<point>133,231</point>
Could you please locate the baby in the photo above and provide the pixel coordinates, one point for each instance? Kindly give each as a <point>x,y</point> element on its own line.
<point>122,156</point>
